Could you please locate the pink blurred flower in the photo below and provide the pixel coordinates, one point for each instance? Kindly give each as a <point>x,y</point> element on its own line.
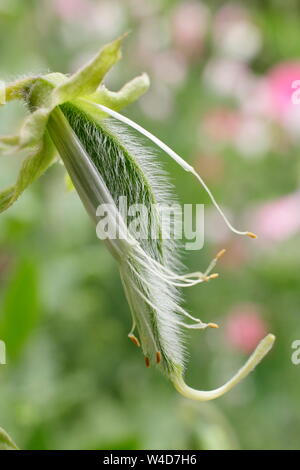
<point>272,97</point>
<point>234,33</point>
<point>245,327</point>
<point>221,124</point>
<point>278,220</point>
<point>228,77</point>
<point>227,15</point>
<point>108,17</point>
<point>170,67</point>
<point>189,26</point>
<point>279,93</point>
<point>254,137</point>
<point>256,100</point>
<point>69,9</point>
<point>158,103</point>
<point>279,87</point>
<point>149,41</point>
<point>250,135</point>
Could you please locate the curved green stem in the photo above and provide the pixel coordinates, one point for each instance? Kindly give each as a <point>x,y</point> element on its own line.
<point>262,349</point>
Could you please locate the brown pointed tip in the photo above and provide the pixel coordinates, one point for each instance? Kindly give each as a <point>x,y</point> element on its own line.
<point>213,325</point>
<point>158,357</point>
<point>124,35</point>
<point>134,340</point>
<point>251,235</point>
<point>147,361</point>
<point>221,253</point>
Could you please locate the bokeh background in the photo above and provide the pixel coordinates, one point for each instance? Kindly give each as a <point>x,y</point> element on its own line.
<point>221,76</point>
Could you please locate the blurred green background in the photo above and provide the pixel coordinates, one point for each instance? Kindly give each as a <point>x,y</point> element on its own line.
<point>221,84</point>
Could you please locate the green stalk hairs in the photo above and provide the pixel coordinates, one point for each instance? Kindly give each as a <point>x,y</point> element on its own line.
<point>77,118</point>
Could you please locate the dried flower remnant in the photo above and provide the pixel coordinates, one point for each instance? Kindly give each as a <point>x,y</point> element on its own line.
<point>78,118</point>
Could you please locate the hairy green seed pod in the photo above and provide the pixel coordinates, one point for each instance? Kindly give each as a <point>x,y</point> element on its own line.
<point>77,118</point>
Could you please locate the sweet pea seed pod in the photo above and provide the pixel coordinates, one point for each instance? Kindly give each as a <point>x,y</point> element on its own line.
<point>77,118</point>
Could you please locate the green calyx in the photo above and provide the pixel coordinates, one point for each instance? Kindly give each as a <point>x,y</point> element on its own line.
<point>42,94</point>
